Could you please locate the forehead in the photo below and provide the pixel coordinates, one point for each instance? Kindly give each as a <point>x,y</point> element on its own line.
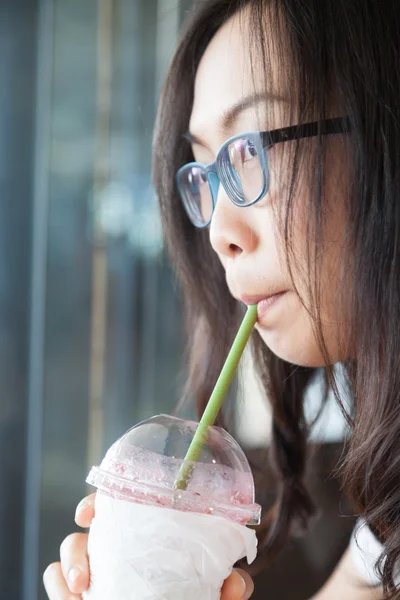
<point>231,70</point>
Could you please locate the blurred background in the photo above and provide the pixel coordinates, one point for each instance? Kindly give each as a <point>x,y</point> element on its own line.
<point>91,338</point>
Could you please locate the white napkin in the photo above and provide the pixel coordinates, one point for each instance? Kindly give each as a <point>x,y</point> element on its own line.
<point>139,552</point>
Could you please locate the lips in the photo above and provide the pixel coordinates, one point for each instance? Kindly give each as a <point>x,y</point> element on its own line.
<point>264,302</point>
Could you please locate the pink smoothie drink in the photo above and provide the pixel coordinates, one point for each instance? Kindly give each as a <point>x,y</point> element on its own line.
<point>152,541</point>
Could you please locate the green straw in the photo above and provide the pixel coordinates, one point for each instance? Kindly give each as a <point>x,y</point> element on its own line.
<point>217,397</point>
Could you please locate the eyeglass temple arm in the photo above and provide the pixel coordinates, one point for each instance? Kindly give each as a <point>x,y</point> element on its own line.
<point>305,130</point>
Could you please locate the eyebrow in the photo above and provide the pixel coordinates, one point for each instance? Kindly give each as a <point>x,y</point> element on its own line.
<point>229,116</point>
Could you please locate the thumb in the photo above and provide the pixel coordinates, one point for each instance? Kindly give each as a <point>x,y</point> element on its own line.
<point>238,586</point>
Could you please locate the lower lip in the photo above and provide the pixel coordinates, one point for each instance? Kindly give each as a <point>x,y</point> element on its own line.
<point>265,305</point>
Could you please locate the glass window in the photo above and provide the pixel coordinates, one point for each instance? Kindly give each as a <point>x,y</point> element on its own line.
<point>112,337</point>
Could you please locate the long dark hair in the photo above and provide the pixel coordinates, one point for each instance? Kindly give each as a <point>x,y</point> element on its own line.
<point>346,52</point>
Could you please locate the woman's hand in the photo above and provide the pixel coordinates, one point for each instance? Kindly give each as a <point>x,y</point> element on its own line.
<point>239,586</point>
<point>68,579</point>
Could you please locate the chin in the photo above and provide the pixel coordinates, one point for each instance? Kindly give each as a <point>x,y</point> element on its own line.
<point>304,353</point>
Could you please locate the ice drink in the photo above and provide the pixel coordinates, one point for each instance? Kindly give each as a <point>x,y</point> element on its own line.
<point>151,541</point>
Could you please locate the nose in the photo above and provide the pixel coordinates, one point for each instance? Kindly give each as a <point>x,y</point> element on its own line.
<point>231,231</point>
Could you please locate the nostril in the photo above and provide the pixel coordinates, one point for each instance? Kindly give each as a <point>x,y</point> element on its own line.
<point>235,249</point>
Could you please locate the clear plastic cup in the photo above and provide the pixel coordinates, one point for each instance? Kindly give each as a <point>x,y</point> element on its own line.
<point>136,493</point>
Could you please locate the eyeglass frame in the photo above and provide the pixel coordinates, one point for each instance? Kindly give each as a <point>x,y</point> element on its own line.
<point>262,141</point>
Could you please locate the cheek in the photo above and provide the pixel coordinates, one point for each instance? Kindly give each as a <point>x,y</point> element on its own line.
<point>279,169</point>
<point>292,337</point>
<point>318,272</point>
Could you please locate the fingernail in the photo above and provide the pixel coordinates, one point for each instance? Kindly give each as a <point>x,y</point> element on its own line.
<point>85,503</point>
<point>244,596</point>
<point>73,575</point>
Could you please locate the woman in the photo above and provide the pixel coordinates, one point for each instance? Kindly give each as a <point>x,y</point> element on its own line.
<point>281,118</point>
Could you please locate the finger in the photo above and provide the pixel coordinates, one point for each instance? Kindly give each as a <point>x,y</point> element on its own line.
<point>75,563</point>
<point>55,585</point>
<point>85,511</point>
<point>239,586</point>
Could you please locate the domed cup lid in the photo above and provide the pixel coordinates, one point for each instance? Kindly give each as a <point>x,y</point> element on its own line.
<point>144,464</point>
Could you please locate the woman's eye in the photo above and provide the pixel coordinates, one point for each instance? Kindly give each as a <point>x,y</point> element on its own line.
<point>242,153</point>
<point>249,151</point>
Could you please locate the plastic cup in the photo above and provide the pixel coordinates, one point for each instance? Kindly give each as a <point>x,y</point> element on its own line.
<point>151,541</point>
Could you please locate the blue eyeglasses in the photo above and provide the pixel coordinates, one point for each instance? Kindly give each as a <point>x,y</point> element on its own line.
<point>241,167</point>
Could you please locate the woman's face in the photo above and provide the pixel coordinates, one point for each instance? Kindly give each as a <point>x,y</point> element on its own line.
<point>246,239</point>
